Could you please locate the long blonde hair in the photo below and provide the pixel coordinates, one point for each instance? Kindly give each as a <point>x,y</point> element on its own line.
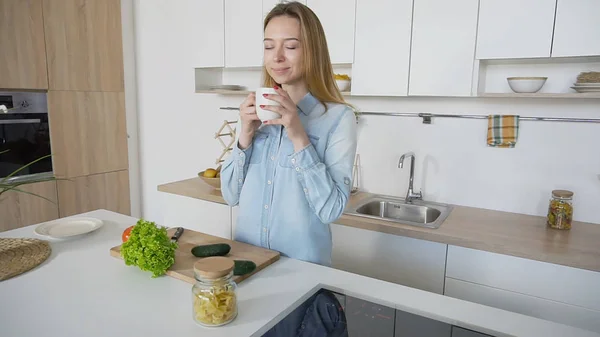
<point>317,69</point>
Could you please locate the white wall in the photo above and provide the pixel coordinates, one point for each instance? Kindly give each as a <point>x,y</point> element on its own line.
<point>177,126</point>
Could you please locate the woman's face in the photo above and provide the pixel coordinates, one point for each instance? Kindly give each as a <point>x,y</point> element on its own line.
<point>283,50</point>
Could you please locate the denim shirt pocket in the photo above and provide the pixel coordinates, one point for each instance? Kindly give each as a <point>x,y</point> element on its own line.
<point>287,149</point>
<point>258,147</point>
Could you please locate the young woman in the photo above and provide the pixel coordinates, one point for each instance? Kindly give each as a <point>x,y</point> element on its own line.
<point>291,177</point>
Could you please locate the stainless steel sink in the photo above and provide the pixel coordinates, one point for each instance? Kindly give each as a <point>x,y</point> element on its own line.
<point>417,213</point>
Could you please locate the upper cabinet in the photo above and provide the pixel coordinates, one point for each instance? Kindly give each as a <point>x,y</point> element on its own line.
<point>207,24</point>
<point>443,44</point>
<point>23,55</point>
<point>243,33</point>
<point>381,64</point>
<point>338,18</point>
<point>577,28</point>
<point>87,132</point>
<point>84,44</point>
<point>516,28</point>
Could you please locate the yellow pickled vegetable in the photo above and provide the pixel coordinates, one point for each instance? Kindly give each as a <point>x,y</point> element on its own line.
<point>560,214</point>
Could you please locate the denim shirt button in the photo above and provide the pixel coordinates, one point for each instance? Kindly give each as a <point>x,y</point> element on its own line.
<point>293,161</point>
<point>298,169</point>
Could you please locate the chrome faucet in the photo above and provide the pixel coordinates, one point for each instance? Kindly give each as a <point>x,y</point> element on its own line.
<point>410,194</point>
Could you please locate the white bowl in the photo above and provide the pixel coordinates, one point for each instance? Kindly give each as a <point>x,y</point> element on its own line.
<point>526,84</point>
<point>343,85</point>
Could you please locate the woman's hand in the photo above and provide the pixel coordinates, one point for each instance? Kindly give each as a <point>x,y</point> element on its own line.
<point>250,121</point>
<point>289,118</point>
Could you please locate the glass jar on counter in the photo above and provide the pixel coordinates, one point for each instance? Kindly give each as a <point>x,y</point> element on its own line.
<point>214,298</point>
<point>560,210</point>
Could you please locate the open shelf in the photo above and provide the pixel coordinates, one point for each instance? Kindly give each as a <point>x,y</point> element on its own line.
<point>541,95</point>
<point>241,92</point>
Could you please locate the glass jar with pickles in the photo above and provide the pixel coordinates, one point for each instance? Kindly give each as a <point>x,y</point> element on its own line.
<point>560,210</point>
<point>214,299</point>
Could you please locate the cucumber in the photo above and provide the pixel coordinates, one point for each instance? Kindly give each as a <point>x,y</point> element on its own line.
<point>215,249</point>
<point>243,267</point>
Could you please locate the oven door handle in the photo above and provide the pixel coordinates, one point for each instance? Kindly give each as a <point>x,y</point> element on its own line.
<point>20,121</point>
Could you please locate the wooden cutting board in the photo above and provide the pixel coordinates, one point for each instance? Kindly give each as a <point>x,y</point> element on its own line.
<point>183,268</point>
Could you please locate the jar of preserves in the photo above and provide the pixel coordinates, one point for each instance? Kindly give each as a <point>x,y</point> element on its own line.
<point>214,298</point>
<point>560,211</point>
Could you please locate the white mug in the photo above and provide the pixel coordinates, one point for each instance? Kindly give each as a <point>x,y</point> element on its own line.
<point>263,114</point>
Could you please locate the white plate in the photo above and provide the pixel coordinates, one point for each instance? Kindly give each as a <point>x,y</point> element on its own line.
<point>64,228</point>
<point>586,89</point>
<point>586,84</point>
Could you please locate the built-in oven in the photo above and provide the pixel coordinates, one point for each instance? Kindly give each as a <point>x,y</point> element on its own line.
<point>25,136</point>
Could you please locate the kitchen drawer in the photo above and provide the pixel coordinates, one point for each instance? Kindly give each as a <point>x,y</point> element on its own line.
<point>540,279</point>
<point>524,304</point>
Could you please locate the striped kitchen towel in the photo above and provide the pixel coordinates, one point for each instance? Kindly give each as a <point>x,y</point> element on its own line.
<point>503,131</point>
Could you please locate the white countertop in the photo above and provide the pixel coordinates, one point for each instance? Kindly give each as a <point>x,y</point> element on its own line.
<point>82,291</point>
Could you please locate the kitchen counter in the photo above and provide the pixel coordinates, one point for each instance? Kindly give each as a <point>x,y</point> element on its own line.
<point>82,291</point>
<point>500,232</point>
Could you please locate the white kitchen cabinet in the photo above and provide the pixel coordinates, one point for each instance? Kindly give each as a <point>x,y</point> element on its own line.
<point>577,28</point>
<point>208,42</point>
<point>243,33</point>
<point>337,18</point>
<point>540,279</point>
<point>515,28</point>
<point>444,34</point>
<point>524,304</point>
<point>407,261</point>
<point>199,215</point>
<point>382,52</point>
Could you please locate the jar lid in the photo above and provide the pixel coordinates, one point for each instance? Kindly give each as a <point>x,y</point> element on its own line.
<point>213,267</point>
<point>562,194</point>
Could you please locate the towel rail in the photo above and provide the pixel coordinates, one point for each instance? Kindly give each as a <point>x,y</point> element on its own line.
<point>428,116</point>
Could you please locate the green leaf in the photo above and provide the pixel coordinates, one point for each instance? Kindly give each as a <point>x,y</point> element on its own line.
<point>150,248</point>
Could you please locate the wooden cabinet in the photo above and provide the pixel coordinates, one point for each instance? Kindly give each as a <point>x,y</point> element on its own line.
<point>381,64</point>
<point>23,209</point>
<point>108,191</point>
<point>88,132</point>
<point>337,18</point>
<point>444,34</point>
<point>23,55</point>
<point>208,46</point>
<point>411,325</point>
<point>84,44</point>
<point>515,28</point>
<point>415,263</point>
<point>243,33</point>
<point>577,28</point>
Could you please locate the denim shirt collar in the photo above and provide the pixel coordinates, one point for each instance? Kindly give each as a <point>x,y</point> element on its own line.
<point>307,104</point>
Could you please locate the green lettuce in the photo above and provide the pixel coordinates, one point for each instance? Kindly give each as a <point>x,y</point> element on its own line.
<point>150,248</point>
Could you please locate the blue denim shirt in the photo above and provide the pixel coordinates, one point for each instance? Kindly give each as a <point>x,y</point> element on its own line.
<point>288,199</point>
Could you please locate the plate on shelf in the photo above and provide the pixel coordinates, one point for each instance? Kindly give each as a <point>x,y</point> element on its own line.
<point>586,89</point>
<point>68,227</point>
<point>586,84</point>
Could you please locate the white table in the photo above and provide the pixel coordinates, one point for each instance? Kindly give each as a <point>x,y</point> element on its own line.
<point>82,291</point>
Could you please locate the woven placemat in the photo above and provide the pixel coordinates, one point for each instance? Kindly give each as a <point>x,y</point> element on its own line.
<point>20,255</point>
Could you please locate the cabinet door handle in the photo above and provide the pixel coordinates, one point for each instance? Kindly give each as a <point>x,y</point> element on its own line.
<point>20,121</point>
